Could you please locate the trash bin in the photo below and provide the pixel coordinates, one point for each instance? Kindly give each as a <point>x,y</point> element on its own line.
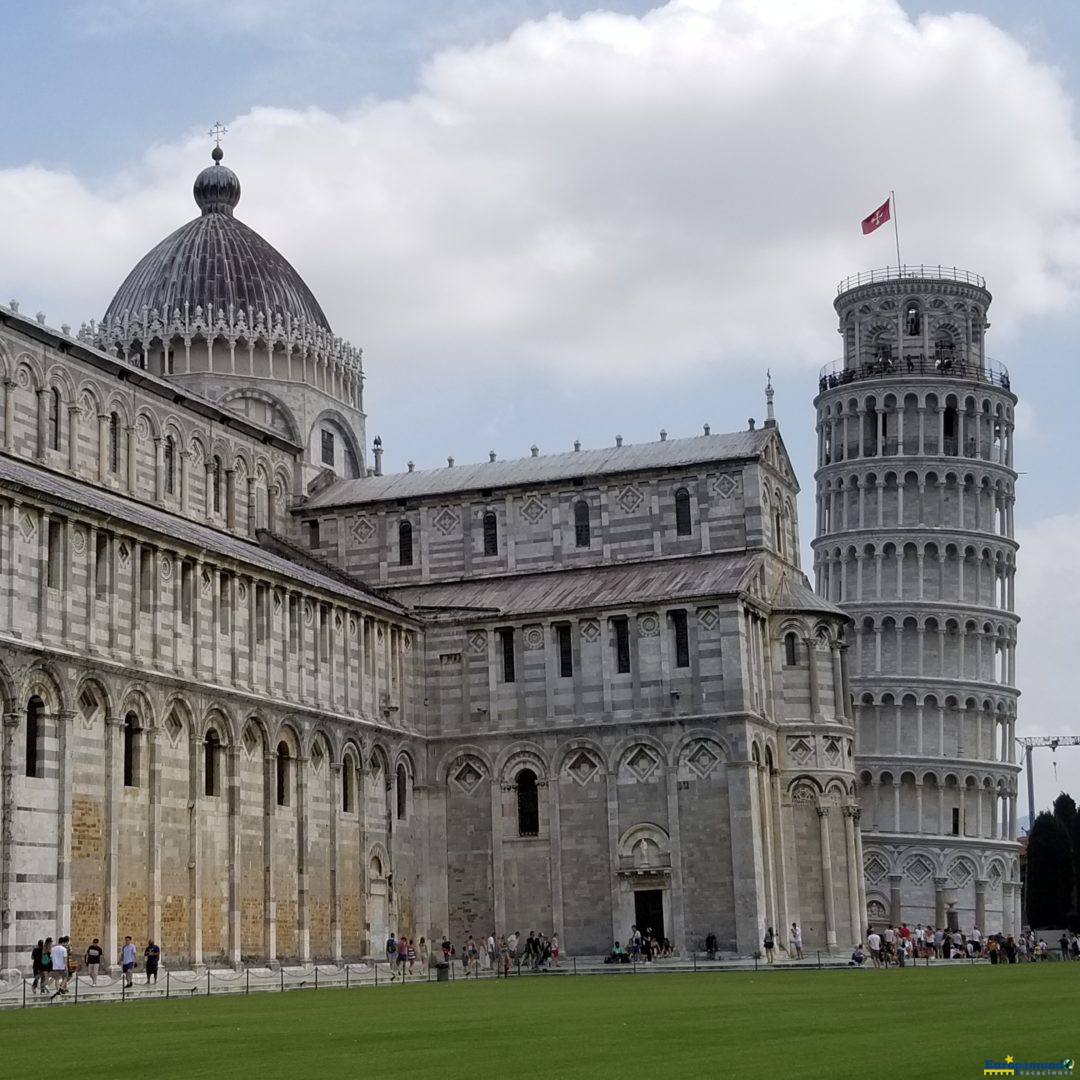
<point>442,971</point>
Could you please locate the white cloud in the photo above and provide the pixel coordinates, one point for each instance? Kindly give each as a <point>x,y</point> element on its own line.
<point>1048,601</point>
<point>615,194</point>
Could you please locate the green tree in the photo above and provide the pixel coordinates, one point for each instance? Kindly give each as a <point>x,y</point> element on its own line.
<point>1049,873</point>
<point>1065,811</point>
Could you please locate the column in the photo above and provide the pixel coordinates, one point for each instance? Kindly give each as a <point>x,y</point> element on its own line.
<point>894,898</point>
<point>748,886</point>
<point>195,752</point>
<point>335,859</point>
<point>839,697</point>
<point>130,431</point>
<point>980,904</point>
<point>9,414</point>
<point>9,954</point>
<point>853,867</point>
<point>42,422</point>
<point>64,785</point>
<point>269,892</point>
<point>939,901</point>
<point>827,878</point>
<point>856,814</point>
<point>815,692</point>
<point>153,832</point>
<point>232,763</point>
<point>303,915</point>
<point>114,774</point>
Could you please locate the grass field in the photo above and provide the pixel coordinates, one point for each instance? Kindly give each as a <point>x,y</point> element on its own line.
<point>910,1023</point>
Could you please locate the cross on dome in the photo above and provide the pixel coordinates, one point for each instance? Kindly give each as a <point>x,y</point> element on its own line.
<point>217,131</point>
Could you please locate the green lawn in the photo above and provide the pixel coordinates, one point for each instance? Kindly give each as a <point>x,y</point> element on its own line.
<point>829,1024</point>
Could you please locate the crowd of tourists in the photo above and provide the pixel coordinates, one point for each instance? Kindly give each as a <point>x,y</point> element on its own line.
<point>53,963</point>
<point>536,952</point>
<point>640,946</point>
<point>902,945</point>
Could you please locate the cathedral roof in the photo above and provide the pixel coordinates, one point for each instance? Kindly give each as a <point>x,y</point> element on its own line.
<point>668,453</point>
<point>217,263</point>
<point>625,585</point>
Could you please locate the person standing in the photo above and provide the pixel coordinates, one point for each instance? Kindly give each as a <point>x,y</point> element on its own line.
<point>796,940</point>
<point>39,969</point>
<point>402,955</point>
<point>422,953</point>
<point>46,965</point>
<point>127,962</point>
<point>94,953</point>
<point>493,956</point>
<point>770,944</point>
<point>152,955</point>
<point>873,943</point>
<point>554,950</point>
<point>59,958</point>
<point>391,955</point>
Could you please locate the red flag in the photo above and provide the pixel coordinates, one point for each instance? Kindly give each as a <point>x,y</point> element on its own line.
<point>877,218</point>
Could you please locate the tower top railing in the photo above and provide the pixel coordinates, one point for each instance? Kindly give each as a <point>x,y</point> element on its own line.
<point>937,365</point>
<point>921,271</point>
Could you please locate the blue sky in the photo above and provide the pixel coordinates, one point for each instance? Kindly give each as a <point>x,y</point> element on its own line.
<point>433,169</point>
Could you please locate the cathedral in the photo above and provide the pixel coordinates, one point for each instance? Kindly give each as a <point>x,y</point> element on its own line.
<point>264,702</point>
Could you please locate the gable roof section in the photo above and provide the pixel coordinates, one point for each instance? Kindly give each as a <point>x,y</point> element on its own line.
<point>75,494</point>
<point>548,468</point>
<point>661,581</point>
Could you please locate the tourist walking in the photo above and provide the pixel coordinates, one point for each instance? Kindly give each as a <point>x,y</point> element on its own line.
<point>391,954</point>
<point>422,954</point>
<point>796,940</point>
<point>151,955</point>
<point>127,961</point>
<point>92,959</point>
<point>402,955</point>
<point>493,956</point>
<point>770,944</point>
<point>873,943</point>
<point>59,958</point>
<point>46,964</point>
<point>38,967</point>
<point>554,950</point>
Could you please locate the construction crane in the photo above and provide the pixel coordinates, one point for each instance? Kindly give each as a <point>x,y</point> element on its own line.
<point>1053,741</point>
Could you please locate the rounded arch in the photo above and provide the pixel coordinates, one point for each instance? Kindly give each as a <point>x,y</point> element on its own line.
<point>289,733</point>
<point>566,752</point>
<point>521,755</point>
<point>136,700</point>
<point>346,459</point>
<point>645,843</point>
<point>273,412</point>
<point>42,681</point>
<point>700,735</point>
<point>220,719</point>
<point>92,695</point>
<point>624,747</point>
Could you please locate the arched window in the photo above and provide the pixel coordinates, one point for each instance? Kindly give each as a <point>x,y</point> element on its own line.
<point>912,319</point>
<point>491,534</point>
<point>114,442</point>
<point>54,419</point>
<point>216,481</point>
<point>283,774</point>
<point>402,791</point>
<point>35,736</point>
<point>582,531</point>
<point>778,525</point>
<point>404,536</point>
<point>170,465</point>
<point>211,763</point>
<point>528,803</point>
<point>791,649</point>
<point>348,785</point>
<point>131,750</point>
<point>682,512</point>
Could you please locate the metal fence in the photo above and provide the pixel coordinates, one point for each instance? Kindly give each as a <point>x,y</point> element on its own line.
<point>922,270</point>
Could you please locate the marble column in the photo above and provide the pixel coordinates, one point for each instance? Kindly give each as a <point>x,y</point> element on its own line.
<point>827,878</point>
<point>232,759</point>
<point>853,868</point>
<point>335,860</point>
<point>303,912</point>
<point>9,957</point>
<point>195,759</point>
<point>65,782</point>
<point>269,890</point>
<point>894,898</point>
<point>980,904</point>
<point>153,833</point>
<point>114,774</point>
<point>939,901</point>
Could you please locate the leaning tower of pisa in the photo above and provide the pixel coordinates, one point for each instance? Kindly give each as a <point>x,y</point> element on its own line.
<point>915,491</point>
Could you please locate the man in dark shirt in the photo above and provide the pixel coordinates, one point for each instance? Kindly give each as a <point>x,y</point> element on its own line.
<point>151,954</point>
<point>94,954</point>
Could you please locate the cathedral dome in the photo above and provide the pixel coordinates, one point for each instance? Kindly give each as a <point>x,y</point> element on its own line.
<point>218,264</point>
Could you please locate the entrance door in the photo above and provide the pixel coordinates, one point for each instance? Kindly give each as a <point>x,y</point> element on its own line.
<point>649,911</point>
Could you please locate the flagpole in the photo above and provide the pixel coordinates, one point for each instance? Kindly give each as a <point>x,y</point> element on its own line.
<point>896,232</point>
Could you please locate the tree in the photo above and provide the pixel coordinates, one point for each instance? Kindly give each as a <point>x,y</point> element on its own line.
<point>1065,812</point>
<point>1049,873</point>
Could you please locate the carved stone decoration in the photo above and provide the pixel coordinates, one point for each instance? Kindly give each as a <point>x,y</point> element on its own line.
<point>804,793</point>
<point>641,762</point>
<point>708,618</point>
<point>446,521</point>
<point>363,529</point>
<point>78,540</point>
<point>648,625</point>
<point>799,749</point>
<point>125,556</point>
<point>204,588</point>
<point>22,377</point>
<point>478,642</point>
<point>142,428</point>
<point>960,872</point>
<point>702,758</point>
<point>582,767</point>
<point>174,728</point>
<point>833,751</point>
<point>918,869</point>
<point>467,774</point>
<point>875,868</point>
<point>241,592</point>
<point>534,637</point>
<point>533,509</point>
<point>165,568</point>
<point>629,499</point>
<point>251,742</point>
<point>726,485</point>
<point>28,527</point>
<point>309,614</point>
<point>590,630</point>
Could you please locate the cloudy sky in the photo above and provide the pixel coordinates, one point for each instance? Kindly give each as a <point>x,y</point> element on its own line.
<point>547,222</point>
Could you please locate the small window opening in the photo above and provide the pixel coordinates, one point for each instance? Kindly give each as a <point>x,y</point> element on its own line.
<point>211,763</point>
<point>186,575</point>
<point>528,803</point>
<point>170,465</point>
<point>506,649</point>
<point>327,447</point>
<point>55,553</point>
<point>146,579</point>
<point>791,650</point>
<point>402,792</point>
<point>682,639</point>
<point>35,737</point>
<point>283,774</point>
<point>114,443</point>
<point>622,645</point>
<point>566,651</point>
<point>313,534</point>
<point>682,513</point>
<point>131,750</point>
<point>956,821</point>
<point>216,483</point>
<point>260,613</point>
<point>54,433</point>
<point>491,534</point>
<point>348,786</point>
<point>405,553</point>
<point>582,530</point>
<point>912,320</point>
<point>101,566</point>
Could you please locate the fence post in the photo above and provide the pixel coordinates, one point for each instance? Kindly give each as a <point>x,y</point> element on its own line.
<point>316,976</point>
<point>207,982</point>
<point>574,961</point>
<point>694,955</point>
<point>281,972</point>
<point>247,981</point>
<point>76,987</point>
<point>375,965</point>
<point>346,976</point>
<point>166,986</point>
<point>24,993</point>
<point>123,987</point>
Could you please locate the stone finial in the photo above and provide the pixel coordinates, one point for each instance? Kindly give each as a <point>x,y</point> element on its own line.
<point>378,451</point>
<point>751,423</point>
<point>449,462</point>
<point>618,440</point>
<point>14,305</point>
<point>40,317</point>
<point>577,446</point>
<point>770,418</point>
<point>411,466</point>
<point>491,455</point>
<point>65,329</point>
<point>663,435</point>
<point>534,450</point>
<point>706,427</point>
